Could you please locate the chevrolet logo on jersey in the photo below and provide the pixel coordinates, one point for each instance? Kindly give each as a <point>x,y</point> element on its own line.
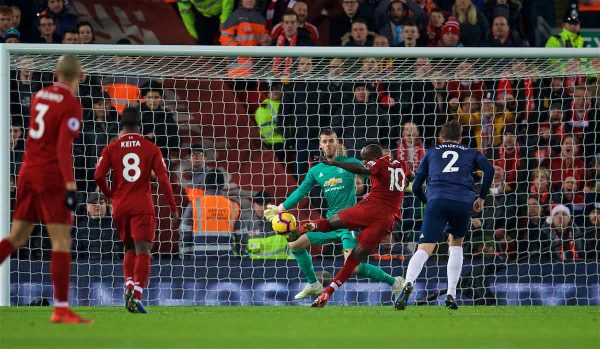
<point>332,182</point>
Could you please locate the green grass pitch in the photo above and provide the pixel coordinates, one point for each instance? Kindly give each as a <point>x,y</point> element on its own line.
<point>304,327</point>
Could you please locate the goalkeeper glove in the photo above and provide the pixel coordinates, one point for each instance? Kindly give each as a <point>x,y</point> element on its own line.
<point>408,188</point>
<point>272,211</point>
<point>71,200</point>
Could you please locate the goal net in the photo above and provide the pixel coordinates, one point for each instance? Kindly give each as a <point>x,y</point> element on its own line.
<point>255,116</point>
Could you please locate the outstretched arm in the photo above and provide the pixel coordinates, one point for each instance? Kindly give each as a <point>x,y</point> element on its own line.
<point>348,166</point>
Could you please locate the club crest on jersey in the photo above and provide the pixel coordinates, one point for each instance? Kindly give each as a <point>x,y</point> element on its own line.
<point>73,124</point>
<point>332,182</point>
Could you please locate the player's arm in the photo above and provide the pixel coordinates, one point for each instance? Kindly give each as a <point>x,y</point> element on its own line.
<point>160,170</point>
<point>102,167</point>
<point>351,167</point>
<point>488,176</point>
<point>300,193</point>
<point>419,179</point>
<point>68,131</point>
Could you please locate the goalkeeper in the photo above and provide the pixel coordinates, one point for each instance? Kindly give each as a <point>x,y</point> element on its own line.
<point>339,192</point>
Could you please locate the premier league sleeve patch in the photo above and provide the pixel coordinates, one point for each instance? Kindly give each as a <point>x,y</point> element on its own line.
<point>73,124</point>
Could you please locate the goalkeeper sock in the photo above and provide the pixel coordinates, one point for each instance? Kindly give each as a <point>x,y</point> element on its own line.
<point>322,225</point>
<point>343,275</point>
<point>416,265</point>
<point>305,264</point>
<point>141,274</point>
<point>372,272</point>
<point>6,249</point>
<point>60,271</point>
<point>455,262</point>
<point>128,267</point>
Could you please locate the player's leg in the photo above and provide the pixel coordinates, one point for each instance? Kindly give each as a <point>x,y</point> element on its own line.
<point>19,235</point>
<point>325,225</point>
<point>304,259</point>
<point>60,272</point>
<point>458,225</point>
<point>124,229</point>
<point>434,221</point>
<point>367,270</point>
<point>143,228</point>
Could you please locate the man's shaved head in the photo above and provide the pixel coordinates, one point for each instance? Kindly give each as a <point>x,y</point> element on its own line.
<point>371,152</point>
<point>69,68</point>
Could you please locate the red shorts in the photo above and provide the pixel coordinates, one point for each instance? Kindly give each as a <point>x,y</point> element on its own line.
<point>136,228</point>
<point>41,204</point>
<point>373,227</point>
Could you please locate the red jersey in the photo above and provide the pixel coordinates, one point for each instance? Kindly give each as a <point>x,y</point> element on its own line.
<point>132,159</point>
<point>388,179</point>
<point>55,122</point>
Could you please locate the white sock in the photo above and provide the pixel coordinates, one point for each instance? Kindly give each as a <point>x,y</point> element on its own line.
<point>416,265</point>
<point>455,262</point>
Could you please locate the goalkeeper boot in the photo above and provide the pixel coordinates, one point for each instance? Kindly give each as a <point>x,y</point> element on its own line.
<point>309,290</point>
<point>397,286</point>
<point>451,302</point>
<point>67,316</point>
<point>402,300</point>
<point>321,301</point>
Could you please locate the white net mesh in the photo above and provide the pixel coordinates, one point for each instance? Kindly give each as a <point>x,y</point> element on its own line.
<point>535,118</point>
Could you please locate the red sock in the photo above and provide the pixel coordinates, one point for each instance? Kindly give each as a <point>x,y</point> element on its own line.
<point>6,249</point>
<point>322,225</point>
<point>141,274</point>
<point>128,267</point>
<point>343,275</point>
<point>60,271</point>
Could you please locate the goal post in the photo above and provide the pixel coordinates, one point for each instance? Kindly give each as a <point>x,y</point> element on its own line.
<point>194,69</point>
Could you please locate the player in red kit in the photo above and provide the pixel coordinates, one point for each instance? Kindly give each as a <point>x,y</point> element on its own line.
<point>374,215</point>
<point>46,184</point>
<point>133,159</point>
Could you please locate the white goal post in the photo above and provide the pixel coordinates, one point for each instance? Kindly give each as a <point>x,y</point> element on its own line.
<point>212,62</point>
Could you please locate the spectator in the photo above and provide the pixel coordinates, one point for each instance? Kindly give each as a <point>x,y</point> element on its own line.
<point>528,238</point>
<point>211,211</point>
<point>342,24</point>
<point>451,34</point>
<point>94,235</point>
<point>568,164</point>
<point>565,237</point>
<point>592,184</point>
<point>301,10</point>
<point>434,28</point>
<point>258,226</point>
<point>17,147</point>
<point>267,120</point>
<point>6,19</point>
<point>300,118</point>
<point>582,120</point>
<point>592,236</point>
<point>202,19</point>
<point>380,41</point>
<point>86,33</point>
<point>291,35</point>
<point>474,27</point>
<point>11,36</point>
<point>46,27</point>
<point>410,146</point>
<point>64,19</point>
<point>158,124</point>
<point>569,36</point>
<point>334,93</point>
<point>502,36</point>
<point>359,35</point>
<point>510,10</point>
<point>364,121</point>
<point>558,128</point>
<point>510,157</point>
<point>387,9</point>
<point>16,16</point>
<point>410,33</point>
<point>392,27</point>
<point>553,92</point>
<point>572,198</point>
<point>244,27</point>
<point>540,187</point>
<point>23,84</point>
<point>71,36</point>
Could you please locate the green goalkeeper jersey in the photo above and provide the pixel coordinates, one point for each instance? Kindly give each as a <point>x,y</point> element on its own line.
<point>337,185</point>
